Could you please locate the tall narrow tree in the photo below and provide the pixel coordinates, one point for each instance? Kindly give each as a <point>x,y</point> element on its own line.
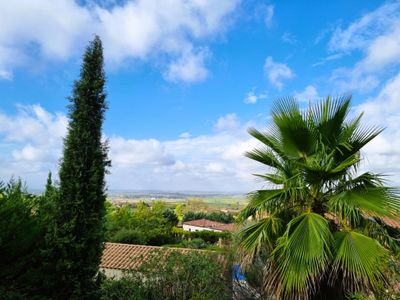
<point>78,231</point>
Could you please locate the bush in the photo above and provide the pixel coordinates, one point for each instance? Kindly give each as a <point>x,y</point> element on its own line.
<point>213,216</point>
<point>208,236</point>
<point>124,288</point>
<point>195,244</point>
<point>129,236</point>
<point>140,225</point>
<point>23,221</point>
<point>172,275</point>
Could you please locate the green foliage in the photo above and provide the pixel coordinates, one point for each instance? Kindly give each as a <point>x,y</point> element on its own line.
<point>213,216</point>
<point>196,243</point>
<point>211,237</point>
<point>172,276</point>
<point>143,224</point>
<point>76,240</point>
<point>23,222</point>
<point>170,216</point>
<point>179,211</point>
<point>320,221</point>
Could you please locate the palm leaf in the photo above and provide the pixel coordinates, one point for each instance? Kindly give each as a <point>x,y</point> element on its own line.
<point>302,254</point>
<point>261,233</point>
<point>263,201</point>
<point>296,138</point>
<point>269,139</point>
<point>266,157</point>
<point>357,260</point>
<point>372,201</point>
<point>329,116</point>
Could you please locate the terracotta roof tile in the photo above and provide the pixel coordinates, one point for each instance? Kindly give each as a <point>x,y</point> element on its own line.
<point>211,224</point>
<point>392,222</point>
<point>127,256</point>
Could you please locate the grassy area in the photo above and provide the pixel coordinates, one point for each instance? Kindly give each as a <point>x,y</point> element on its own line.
<point>212,203</point>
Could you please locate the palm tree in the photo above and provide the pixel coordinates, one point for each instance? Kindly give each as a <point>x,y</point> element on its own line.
<point>319,219</point>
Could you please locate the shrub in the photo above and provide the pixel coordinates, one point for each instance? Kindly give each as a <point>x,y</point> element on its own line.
<point>172,276</point>
<point>23,221</point>
<point>129,236</point>
<point>213,216</point>
<point>208,236</point>
<point>196,243</point>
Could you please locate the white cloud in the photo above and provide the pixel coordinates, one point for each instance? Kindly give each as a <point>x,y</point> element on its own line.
<point>308,94</point>
<point>383,153</point>
<point>127,153</point>
<point>142,29</point>
<point>269,14</point>
<point>360,33</point>
<point>277,72</point>
<point>189,68</point>
<point>228,122</point>
<point>185,135</point>
<point>252,97</point>
<point>377,36</point>
<point>288,38</point>
<point>31,145</point>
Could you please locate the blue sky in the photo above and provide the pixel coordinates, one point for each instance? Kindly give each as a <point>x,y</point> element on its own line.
<point>187,78</point>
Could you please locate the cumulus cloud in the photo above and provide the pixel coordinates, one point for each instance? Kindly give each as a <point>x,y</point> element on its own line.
<point>185,135</point>
<point>252,97</point>
<point>31,145</point>
<point>277,72</point>
<point>228,122</point>
<point>142,29</point>
<point>361,32</point>
<point>189,68</point>
<point>377,36</point>
<point>308,94</point>
<point>383,153</point>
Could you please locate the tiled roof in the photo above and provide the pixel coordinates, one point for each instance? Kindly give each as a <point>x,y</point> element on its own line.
<point>127,256</point>
<point>211,224</point>
<point>391,222</point>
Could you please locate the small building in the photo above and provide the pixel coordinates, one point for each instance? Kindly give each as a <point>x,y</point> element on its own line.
<point>203,224</point>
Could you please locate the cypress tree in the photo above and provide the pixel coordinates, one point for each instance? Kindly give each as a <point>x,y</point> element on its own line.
<point>50,188</point>
<point>79,228</point>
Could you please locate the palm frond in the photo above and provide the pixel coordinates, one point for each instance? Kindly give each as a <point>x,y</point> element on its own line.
<point>329,116</point>
<point>302,254</point>
<point>266,157</point>
<point>260,233</point>
<point>272,178</point>
<point>358,260</point>
<point>378,201</point>
<point>263,201</point>
<point>296,138</point>
<point>269,139</point>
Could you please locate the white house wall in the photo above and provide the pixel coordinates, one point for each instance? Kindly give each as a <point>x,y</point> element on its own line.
<point>197,228</point>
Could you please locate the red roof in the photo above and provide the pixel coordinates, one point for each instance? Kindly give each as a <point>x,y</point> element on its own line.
<point>127,256</point>
<point>391,222</point>
<point>211,225</point>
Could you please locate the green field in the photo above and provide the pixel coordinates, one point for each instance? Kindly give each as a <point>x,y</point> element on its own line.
<point>211,202</point>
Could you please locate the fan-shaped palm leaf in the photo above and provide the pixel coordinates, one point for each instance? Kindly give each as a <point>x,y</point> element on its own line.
<point>357,260</point>
<point>303,253</point>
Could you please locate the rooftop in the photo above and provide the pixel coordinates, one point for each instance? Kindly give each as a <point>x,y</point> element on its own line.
<point>211,224</point>
<point>127,256</point>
